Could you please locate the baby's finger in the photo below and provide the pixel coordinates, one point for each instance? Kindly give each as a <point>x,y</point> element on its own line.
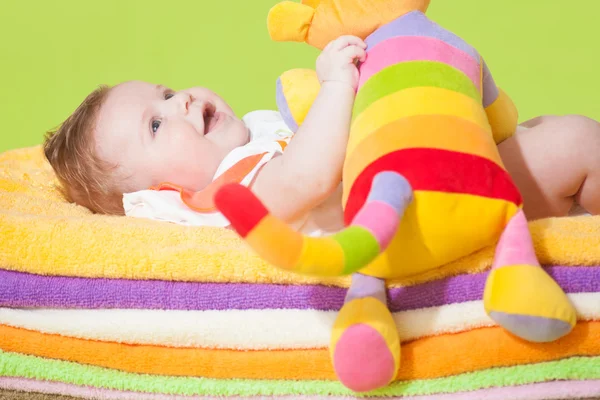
<point>348,40</point>
<point>352,53</point>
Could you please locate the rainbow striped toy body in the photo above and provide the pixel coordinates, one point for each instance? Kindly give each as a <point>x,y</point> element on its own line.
<point>423,186</point>
<point>420,112</point>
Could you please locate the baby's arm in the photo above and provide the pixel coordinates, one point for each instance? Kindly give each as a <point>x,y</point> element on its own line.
<point>310,169</point>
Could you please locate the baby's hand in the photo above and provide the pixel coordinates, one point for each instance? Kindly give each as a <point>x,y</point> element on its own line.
<point>337,61</point>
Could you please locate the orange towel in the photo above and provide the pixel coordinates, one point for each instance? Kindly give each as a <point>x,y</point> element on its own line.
<point>431,357</point>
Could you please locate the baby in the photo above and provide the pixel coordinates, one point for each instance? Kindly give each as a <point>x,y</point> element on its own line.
<point>136,135</point>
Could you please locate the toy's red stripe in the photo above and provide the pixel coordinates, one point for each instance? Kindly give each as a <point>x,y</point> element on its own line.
<point>437,170</point>
<point>241,207</point>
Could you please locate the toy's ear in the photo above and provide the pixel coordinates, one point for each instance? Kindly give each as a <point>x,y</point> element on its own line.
<point>312,3</point>
<point>289,21</point>
<point>297,90</point>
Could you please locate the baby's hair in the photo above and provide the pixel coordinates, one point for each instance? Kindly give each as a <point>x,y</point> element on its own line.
<point>70,149</point>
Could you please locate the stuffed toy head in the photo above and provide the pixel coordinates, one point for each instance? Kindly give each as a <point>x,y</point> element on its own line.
<point>318,22</point>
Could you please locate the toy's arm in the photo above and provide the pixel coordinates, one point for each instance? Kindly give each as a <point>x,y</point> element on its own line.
<point>500,109</point>
<point>297,90</point>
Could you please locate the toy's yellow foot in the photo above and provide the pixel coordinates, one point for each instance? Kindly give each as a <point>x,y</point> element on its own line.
<point>365,347</point>
<point>527,302</point>
<point>520,296</point>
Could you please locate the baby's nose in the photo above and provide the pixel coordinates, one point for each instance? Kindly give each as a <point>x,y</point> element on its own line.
<point>184,100</point>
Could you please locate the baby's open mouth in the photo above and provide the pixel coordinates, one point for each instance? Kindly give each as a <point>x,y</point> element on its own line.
<point>211,119</point>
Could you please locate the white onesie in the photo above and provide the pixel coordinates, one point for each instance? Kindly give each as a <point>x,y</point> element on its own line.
<point>268,137</point>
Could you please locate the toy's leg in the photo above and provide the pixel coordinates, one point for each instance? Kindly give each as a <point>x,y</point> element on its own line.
<point>365,347</point>
<point>519,295</point>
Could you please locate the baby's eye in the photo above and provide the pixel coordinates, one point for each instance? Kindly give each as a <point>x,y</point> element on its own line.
<point>155,125</point>
<point>168,95</point>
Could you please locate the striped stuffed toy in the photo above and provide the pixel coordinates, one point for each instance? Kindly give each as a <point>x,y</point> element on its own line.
<point>423,182</point>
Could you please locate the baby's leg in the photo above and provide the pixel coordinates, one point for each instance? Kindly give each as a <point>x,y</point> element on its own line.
<point>555,162</point>
<point>365,348</point>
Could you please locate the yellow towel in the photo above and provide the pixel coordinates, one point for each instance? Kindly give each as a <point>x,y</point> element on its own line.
<point>41,233</point>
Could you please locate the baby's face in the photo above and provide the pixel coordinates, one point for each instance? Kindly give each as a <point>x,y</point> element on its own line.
<point>157,135</point>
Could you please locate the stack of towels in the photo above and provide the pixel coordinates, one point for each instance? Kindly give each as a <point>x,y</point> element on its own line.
<point>118,308</point>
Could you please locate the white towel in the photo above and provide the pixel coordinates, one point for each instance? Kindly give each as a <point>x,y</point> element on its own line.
<point>250,329</point>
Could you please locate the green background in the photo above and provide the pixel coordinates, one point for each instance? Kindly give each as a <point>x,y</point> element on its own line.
<point>53,53</point>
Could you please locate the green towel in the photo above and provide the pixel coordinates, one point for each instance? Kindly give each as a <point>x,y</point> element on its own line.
<point>18,365</point>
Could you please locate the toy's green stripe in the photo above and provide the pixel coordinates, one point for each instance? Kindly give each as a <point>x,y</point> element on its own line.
<point>409,75</point>
<point>360,247</point>
<point>17,365</point>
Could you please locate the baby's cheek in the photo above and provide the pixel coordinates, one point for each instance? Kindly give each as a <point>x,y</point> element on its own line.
<point>199,167</point>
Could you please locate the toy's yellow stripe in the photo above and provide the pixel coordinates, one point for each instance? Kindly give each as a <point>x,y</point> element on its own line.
<point>321,257</point>
<point>438,228</point>
<point>411,102</point>
<point>276,242</point>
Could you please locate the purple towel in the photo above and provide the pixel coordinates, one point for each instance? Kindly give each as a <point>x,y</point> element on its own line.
<point>26,290</point>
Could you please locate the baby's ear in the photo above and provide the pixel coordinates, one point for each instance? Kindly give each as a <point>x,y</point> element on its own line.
<point>297,90</point>
<point>290,21</point>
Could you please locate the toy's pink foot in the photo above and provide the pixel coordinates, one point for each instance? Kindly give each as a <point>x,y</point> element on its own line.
<point>365,346</point>
<point>362,360</point>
